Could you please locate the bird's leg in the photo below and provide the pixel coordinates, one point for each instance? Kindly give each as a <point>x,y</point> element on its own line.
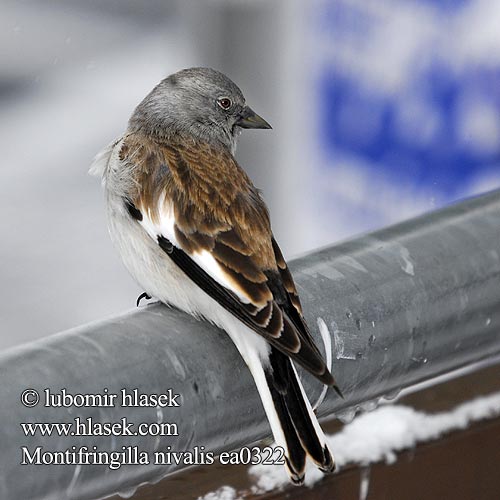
<point>143,295</point>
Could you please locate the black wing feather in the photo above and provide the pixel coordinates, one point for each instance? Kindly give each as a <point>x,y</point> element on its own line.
<point>305,353</point>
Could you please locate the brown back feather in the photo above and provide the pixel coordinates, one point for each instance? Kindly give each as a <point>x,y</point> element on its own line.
<point>217,208</point>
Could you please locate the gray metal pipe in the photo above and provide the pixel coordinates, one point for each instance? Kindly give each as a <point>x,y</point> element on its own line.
<point>403,304</point>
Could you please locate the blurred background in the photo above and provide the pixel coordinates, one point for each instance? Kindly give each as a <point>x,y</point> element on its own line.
<point>380,111</point>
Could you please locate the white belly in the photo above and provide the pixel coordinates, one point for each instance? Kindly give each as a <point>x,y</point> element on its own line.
<point>149,265</point>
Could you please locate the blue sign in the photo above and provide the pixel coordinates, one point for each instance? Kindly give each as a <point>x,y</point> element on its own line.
<point>411,90</point>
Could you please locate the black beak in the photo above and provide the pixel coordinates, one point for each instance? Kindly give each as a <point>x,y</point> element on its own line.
<point>250,119</point>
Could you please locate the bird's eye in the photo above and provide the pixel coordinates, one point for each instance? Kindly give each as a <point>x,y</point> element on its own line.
<point>224,102</point>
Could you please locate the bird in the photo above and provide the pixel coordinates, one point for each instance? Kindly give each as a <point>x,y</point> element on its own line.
<point>195,233</point>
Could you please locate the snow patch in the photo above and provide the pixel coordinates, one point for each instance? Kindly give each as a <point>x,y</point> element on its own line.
<point>364,485</point>
<point>223,493</point>
<point>379,435</point>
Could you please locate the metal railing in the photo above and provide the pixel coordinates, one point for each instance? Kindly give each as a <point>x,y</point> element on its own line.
<point>402,305</point>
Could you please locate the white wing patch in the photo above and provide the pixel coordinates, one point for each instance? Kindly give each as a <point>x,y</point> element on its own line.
<point>165,225</point>
<point>207,262</point>
<point>204,259</point>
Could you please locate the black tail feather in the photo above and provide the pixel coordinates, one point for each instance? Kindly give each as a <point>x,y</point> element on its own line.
<point>301,420</point>
<point>296,459</point>
<point>294,416</point>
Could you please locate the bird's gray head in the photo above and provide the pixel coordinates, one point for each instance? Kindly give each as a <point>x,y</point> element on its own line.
<point>200,102</point>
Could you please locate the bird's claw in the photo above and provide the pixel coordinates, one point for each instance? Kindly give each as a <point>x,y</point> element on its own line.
<point>143,295</point>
